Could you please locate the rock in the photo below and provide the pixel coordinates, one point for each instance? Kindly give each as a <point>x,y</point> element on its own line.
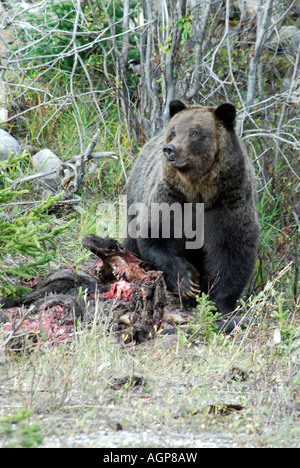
<point>290,34</point>
<point>46,160</point>
<point>8,145</point>
<point>3,115</point>
<point>6,39</point>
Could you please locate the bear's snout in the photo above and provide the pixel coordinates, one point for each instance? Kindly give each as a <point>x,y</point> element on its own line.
<point>175,156</point>
<point>169,151</point>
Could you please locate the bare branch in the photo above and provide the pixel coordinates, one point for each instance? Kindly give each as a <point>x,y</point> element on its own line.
<point>264,20</point>
<point>200,30</point>
<point>188,49</point>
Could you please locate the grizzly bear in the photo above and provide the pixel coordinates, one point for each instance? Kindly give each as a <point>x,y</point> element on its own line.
<point>198,159</point>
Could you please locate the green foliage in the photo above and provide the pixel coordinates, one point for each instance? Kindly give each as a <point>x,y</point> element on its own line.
<point>59,110</point>
<point>185,26</point>
<point>279,242</point>
<point>57,38</point>
<point>204,324</point>
<point>29,233</point>
<point>286,335</point>
<point>15,428</point>
<point>60,28</point>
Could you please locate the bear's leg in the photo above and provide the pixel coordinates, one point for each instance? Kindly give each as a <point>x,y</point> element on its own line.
<point>229,273</point>
<point>180,276</point>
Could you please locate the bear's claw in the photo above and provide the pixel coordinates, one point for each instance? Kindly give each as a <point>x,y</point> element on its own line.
<point>193,291</point>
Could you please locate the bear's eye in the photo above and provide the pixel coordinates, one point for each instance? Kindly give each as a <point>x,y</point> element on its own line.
<point>195,133</point>
<point>172,135</point>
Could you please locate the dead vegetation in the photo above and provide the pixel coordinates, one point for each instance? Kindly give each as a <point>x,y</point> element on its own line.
<point>239,390</point>
<point>95,386</point>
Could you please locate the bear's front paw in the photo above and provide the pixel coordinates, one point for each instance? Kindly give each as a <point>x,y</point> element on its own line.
<point>189,289</point>
<point>187,284</point>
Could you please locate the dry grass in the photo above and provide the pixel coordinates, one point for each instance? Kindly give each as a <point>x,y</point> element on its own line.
<point>245,386</point>
<point>83,394</point>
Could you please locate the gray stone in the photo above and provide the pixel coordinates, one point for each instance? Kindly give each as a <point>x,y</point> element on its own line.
<point>290,34</point>
<point>8,145</point>
<point>45,160</point>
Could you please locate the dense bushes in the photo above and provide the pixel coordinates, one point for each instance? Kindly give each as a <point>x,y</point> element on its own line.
<point>67,75</point>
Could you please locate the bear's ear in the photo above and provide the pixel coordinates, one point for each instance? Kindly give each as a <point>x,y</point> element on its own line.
<point>226,113</point>
<point>176,106</point>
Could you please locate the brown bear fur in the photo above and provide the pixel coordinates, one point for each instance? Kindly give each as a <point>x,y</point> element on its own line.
<point>199,158</point>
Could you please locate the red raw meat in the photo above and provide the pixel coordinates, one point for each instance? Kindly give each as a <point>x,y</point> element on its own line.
<point>121,291</point>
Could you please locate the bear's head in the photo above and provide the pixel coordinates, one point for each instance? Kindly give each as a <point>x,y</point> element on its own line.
<point>195,136</point>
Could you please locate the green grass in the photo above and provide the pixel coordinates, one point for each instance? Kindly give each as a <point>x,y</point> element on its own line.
<point>85,386</point>
<point>71,390</point>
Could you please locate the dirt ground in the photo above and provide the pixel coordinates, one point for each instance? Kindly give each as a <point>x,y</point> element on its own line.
<point>165,393</point>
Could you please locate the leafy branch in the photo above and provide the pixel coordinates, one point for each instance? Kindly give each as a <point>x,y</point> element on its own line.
<point>27,235</point>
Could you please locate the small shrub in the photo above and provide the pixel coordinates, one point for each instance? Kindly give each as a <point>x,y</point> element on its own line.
<point>15,429</point>
<point>28,234</point>
<point>204,324</point>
